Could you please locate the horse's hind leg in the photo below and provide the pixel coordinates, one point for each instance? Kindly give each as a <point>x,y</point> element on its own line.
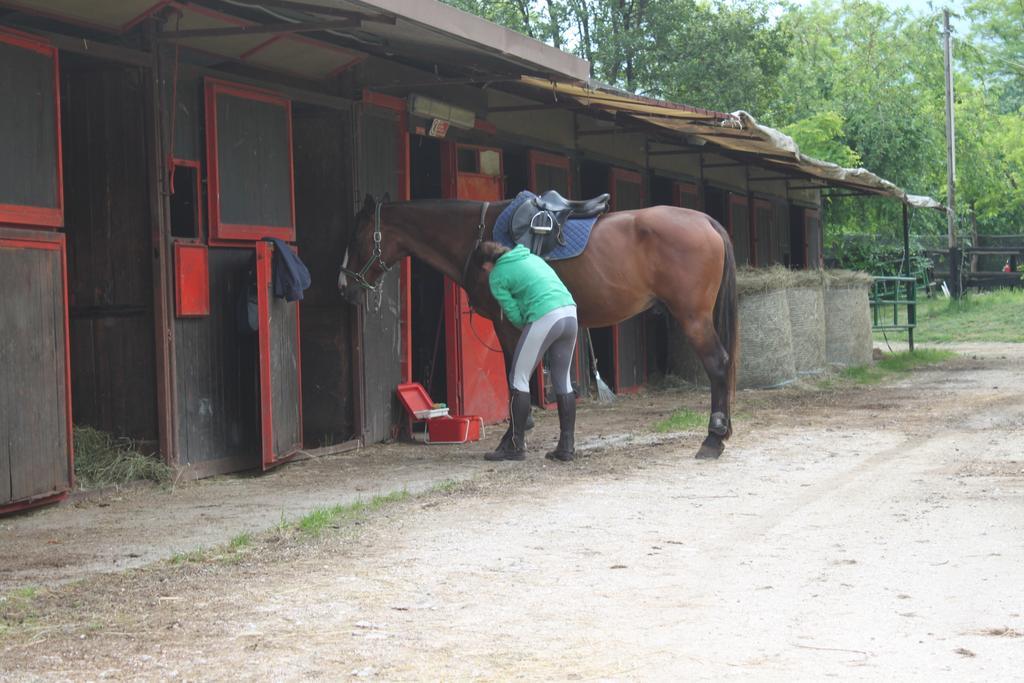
<point>700,332</point>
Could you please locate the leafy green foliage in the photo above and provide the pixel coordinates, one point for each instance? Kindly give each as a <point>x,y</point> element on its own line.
<point>821,136</point>
<point>855,82</point>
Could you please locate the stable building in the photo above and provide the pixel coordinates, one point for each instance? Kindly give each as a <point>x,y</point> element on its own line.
<point>151,150</point>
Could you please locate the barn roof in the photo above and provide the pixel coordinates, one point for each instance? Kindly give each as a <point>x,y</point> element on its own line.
<point>316,39</point>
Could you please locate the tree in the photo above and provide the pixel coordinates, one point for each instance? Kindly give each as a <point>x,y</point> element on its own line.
<point>821,136</point>
<point>717,56</point>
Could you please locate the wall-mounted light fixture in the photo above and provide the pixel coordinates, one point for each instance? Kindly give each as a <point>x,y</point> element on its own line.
<point>429,108</point>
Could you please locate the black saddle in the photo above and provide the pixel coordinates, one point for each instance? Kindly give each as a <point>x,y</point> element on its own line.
<point>538,222</point>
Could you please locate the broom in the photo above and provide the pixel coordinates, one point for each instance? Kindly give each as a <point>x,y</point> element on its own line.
<point>604,392</point>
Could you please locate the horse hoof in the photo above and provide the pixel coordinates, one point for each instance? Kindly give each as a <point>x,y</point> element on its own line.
<point>708,452</point>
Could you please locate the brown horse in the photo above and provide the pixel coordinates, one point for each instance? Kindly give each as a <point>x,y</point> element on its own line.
<point>681,257</point>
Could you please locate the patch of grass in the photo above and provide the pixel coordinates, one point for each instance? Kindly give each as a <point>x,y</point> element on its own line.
<point>996,316</point>
<point>681,421</point>
<point>447,486</point>
<point>895,363</point>
<point>17,610</point>
<point>241,541</point>
<point>319,519</point>
<point>26,593</point>
<point>102,459</point>
<point>190,557</point>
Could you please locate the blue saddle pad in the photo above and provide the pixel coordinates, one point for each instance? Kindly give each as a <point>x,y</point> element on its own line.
<point>576,231</point>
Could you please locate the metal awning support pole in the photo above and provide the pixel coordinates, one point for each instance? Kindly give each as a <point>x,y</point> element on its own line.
<point>954,253</point>
<point>906,238</point>
<point>911,286</point>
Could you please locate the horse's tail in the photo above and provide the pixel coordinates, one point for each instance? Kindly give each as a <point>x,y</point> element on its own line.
<point>727,309</point>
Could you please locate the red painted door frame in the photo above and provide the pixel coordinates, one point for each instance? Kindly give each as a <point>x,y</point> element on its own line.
<point>755,229</point>
<point>222,233</point>
<point>681,190</point>
<point>472,349</point>
<point>537,158</point>
<point>270,457</point>
<point>39,216</point>
<point>614,177</point>
<point>11,238</point>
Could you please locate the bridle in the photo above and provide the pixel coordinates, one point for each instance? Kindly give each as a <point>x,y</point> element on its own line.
<point>376,257</point>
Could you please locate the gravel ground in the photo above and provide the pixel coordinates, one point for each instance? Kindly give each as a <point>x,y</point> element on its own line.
<point>859,533</point>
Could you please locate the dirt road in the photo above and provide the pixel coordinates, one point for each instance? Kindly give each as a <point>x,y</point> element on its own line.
<point>869,533</point>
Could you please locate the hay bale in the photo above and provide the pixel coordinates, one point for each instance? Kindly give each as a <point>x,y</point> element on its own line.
<point>766,344</point>
<point>766,341</point>
<point>806,298</point>
<point>847,318</point>
<point>682,361</point>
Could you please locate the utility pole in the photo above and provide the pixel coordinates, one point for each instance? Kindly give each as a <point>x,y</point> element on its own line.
<point>954,252</point>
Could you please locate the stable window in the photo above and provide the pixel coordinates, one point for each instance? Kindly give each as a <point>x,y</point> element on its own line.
<point>739,227</point>
<point>686,195</point>
<point>549,172</point>
<point>249,163</point>
<point>763,233</point>
<point>479,161</point>
<point>627,190</point>
<point>186,215</point>
<point>30,175</point>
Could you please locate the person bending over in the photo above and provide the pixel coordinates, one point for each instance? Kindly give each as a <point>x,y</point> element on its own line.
<point>533,298</point>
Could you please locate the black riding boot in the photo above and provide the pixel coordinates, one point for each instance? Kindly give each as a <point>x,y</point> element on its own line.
<point>566,447</point>
<point>513,444</point>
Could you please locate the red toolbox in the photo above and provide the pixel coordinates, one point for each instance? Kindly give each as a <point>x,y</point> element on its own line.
<point>441,427</point>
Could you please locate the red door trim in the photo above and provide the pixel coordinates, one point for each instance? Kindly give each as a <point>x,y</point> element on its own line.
<point>39,216</point>
<point>537,158</point>
<point>226,234</point>
<point>263,278</point>
<point>455,350</point>
<point>24,239</point>
<point>755,228</point>
<point>615,176</point>
<point>680,188</point>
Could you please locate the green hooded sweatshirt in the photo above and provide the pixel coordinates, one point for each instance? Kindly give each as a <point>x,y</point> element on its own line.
<point>526,287</point>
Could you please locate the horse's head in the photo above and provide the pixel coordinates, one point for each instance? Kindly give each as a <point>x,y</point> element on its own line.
<point>368,256</point>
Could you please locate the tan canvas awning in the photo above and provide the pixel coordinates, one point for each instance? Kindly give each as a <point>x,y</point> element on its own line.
<point>737,132</point>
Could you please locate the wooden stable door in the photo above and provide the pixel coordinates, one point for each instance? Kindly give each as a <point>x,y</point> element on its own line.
<point>280,389</point>
<point>35,404</point>
<point>477,382</point>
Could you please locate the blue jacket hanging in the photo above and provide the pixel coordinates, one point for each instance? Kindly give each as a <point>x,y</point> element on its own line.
<point>291,276</point>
